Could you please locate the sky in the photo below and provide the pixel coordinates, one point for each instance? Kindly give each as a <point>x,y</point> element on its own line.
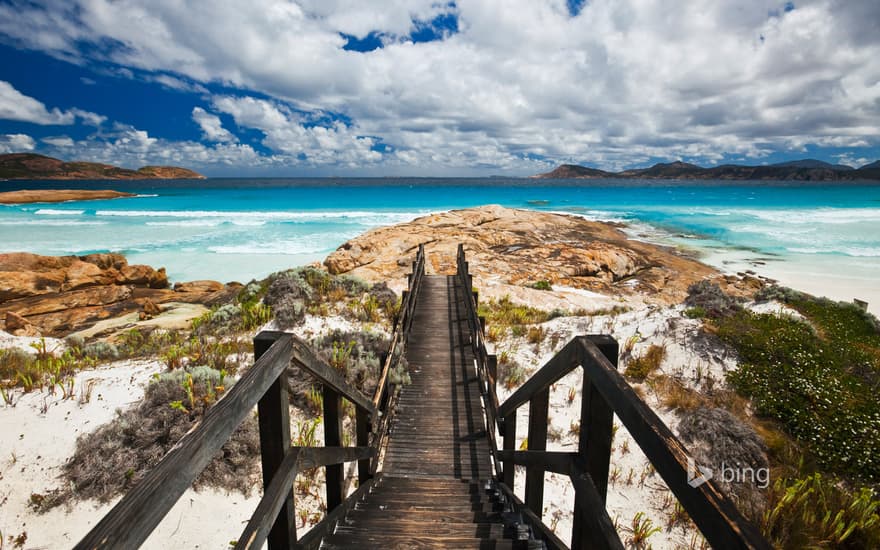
<point>437,88</point>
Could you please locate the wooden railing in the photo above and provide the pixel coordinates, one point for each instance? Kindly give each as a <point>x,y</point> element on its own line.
<point>604,394</point>
<point>264,385</point>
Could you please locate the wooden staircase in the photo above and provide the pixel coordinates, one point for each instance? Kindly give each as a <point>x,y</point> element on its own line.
<point>436,459</point>
<point>436,489</point>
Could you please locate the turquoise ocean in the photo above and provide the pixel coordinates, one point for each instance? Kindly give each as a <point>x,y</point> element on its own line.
<point>822,238</point>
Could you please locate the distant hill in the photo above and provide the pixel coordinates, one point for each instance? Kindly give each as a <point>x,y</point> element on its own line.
<point>573,171</point>
<point>812,163</point>
<point>800,170</point>
<point>29,166</point>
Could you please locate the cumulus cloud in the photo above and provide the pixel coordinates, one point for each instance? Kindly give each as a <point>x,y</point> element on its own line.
<point>16,143</point>
<point>14,105</point>
<point>58,141</point>
<point>619,83</point>
<point>212,127</point>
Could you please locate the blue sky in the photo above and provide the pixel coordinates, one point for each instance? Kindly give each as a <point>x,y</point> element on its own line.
<point>421,87</point>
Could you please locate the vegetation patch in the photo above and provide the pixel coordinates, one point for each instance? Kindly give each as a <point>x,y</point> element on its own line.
<point>820,379</point>
<point>504,312</point>
<point>639,368</point>
<point>110,460</point>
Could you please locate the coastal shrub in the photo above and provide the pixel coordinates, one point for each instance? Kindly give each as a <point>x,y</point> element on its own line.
<point>818,511</point>
<point>638,368</point>
<point>505,312</point>
<point>110,460</point>
<point>289,311</point>
<point>357,356</point>
<point>541,285</point>
<point>252,292</point>
<point>819,378</point>
<point>353,286</point>
<point>715,436</point>
<point>19,368</point>
<point>287,285</point>
<point>510,373</point>
<point>709,297</point>
<point>102,351</point>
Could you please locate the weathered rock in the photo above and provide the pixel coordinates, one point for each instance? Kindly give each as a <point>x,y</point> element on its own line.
<point>198,286</point>
<point>150,309</point>
<point>58,295</point>
<point>19,326</point>
<point>521,247</point>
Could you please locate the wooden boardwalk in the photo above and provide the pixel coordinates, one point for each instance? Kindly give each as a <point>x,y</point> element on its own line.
<point>435,489</point>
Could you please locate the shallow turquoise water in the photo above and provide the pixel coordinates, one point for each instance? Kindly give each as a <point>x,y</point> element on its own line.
<point>236,229</point>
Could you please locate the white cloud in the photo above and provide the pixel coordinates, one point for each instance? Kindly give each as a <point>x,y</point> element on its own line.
<point>624,81</point>
<point>212,127</point>
<point>58,141</point>
<point>16,143</point>
<point>14,105</point>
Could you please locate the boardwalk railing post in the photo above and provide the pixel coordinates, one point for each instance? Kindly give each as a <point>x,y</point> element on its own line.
<point>539,408</point>
<point>363,436</point>
<point>492,367</point>
<point>594,445</point>
<point>273,412</point>
<point>509,444</point>
<point>333,438</point>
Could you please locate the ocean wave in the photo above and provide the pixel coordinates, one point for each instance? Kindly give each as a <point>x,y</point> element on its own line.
<point>271,247</point>
<point>261,215</point>
<point>145,195</point>
<point>855,251</point>
<point>58,212</point>
<point>594,215</point>
<point>52,223</point>
<point>187,223</point>
<point>814,216</point>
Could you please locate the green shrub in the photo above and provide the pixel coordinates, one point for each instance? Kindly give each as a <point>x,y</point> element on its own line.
<point>505,312</point>
<point>819,378</point>
<point>541,285</point>
<point>817,512</point>
<point>638,368</point>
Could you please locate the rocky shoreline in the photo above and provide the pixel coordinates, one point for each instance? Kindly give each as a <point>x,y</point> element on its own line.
<point>60,295</point>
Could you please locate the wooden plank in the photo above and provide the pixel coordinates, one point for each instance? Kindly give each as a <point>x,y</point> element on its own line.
<point>134,517</point>
<point>550,461</point>
<point>539,407</point>
<point>714,514</point>
<point>333,438</point>
<point>543,532</point>
<point>313,538</point>
<point>273,412</point>
<point>561,364</point>
<point>597,530</point>
<point>597,419</point>
<point>509,443</point>
<point>297,460</point>
<point>362,428</point>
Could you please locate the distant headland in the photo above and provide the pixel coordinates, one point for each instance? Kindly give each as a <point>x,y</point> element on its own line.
<point>29,166</point>
<point>799,170</point>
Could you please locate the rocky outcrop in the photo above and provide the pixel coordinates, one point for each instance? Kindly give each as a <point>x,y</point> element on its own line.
<point>522,247</point>
<point>57,295</point>
<point>27,196</point>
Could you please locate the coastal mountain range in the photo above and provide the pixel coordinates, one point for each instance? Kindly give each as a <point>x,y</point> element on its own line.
<point>30,166</point>
<point>798,170</point>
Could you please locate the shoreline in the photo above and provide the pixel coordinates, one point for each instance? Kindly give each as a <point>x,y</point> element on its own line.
<point>32,196</point>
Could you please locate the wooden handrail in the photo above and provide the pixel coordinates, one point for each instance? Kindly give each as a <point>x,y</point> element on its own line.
<point>604,394</point>
<point>134,517</point>
<point>138,513</point>
<point>297,460</point>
